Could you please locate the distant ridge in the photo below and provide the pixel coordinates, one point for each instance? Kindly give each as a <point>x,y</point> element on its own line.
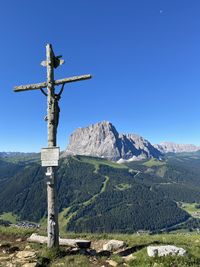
<point>170,147</point>
<point>103,140</point>
<point>17,154</point>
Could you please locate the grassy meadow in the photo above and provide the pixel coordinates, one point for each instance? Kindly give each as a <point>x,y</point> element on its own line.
<point>138,244</point>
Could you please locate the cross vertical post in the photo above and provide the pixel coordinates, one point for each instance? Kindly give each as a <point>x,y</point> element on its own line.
<point>50,155</point>
<point>52,224</point>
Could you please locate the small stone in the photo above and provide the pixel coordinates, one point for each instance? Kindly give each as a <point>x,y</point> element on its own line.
<point>12,255</point>
<point>26,254</point>
<point>19,240</point>
<point>31,264</point>
<point>9,264</point>
<point>129,258</point>
<point>4,259</point>
<point>113,245</point>
<point>112,263</point>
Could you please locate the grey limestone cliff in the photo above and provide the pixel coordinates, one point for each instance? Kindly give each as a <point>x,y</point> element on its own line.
<point>103,140</point>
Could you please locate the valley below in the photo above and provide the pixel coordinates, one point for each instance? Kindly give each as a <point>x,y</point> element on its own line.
<point>97,195</point>
<point>142,203</point>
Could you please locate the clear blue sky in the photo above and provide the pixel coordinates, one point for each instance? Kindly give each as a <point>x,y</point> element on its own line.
<point>144,56</point>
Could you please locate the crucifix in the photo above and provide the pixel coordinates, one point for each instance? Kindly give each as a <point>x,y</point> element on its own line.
<point>50,155</point>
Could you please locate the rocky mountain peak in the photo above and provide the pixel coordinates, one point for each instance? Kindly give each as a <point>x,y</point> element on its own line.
<point>103,140</point>
<point>97,140</point>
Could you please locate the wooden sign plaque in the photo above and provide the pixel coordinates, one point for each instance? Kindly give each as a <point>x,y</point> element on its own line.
<point>50,156</point>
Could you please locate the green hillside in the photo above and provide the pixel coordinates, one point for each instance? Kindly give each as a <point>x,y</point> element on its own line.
<point>96,195</point>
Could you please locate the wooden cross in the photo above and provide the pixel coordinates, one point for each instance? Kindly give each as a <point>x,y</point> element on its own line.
<point>53,110</point>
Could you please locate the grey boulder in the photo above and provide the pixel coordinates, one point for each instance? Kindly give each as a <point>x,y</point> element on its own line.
<point>114,245</point>
<point>160,251</point>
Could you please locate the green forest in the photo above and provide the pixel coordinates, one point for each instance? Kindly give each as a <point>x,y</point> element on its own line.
<point>96,195</point>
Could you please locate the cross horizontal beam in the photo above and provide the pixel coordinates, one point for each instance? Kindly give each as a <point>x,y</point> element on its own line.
<point>56,82</point>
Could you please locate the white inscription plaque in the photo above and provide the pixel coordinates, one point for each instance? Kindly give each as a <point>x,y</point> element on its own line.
<point>50,156</point>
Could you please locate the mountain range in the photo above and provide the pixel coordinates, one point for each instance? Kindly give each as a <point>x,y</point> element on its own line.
<point>103,140</point>
<point>170,147</point>
<point>99,195</point>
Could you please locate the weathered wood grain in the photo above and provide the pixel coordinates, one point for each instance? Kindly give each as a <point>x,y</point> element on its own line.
<point>64,242</point>
<point>36,86</point>
<point>53,110</point>
<point>52,220</point>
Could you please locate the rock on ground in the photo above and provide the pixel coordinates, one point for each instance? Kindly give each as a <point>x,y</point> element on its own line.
<point>113,245</point>
<point>129,258</point>
<point>30,264</point>
<point>112,263</point>
<point>160,251</point>
<point>26,254</point>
